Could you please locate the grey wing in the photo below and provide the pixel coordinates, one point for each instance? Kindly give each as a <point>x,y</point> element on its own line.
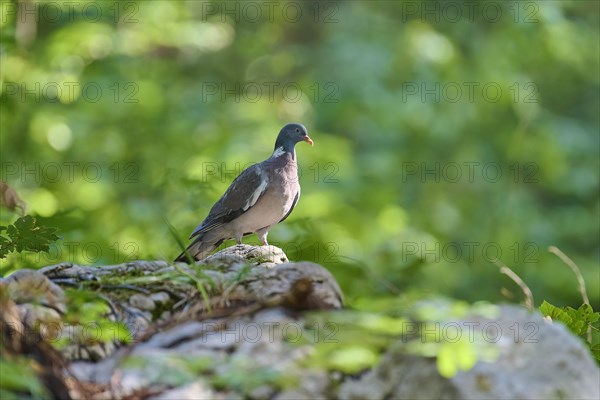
<point>292,206</point>
<point>242,194</point>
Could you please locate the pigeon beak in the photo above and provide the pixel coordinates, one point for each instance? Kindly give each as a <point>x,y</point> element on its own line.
<point>308,140</point>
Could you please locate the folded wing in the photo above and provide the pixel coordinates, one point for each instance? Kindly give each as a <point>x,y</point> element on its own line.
<point>242,194</point>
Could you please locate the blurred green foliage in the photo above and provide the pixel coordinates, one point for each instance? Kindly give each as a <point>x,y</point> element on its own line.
<point>441,142</point>
<point>352,341</point>
<point>18,378</point>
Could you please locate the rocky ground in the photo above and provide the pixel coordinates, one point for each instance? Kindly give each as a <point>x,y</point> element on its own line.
<point>247,323</point>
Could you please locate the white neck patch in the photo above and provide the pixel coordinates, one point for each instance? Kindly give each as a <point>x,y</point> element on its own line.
<point>278,152</point>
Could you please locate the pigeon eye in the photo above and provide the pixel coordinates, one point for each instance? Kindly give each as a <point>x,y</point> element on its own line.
<point>297,130</point>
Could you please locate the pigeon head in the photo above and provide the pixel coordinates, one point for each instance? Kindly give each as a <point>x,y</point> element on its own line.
<point>290,135</point>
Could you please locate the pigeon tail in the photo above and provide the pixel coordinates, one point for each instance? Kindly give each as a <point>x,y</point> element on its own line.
<point>198,250</point>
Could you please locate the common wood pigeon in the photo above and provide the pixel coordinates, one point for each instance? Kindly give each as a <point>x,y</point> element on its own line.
<point>263,195</point>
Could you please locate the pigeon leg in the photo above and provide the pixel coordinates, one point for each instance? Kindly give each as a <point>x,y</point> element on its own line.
<point>262,236</point>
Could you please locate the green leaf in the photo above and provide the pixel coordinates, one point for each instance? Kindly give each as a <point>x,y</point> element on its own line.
<point>6,246</point>
<point>349,359</point>
<point>576,320</point>
<point>26,235</point>
<point>383,324</point>
<point>557,314</point>
<point>352,359</point>
<point>455,357</point>
<point>586,313</point>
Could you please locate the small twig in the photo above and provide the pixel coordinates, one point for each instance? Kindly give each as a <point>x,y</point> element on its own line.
<point>179,303</point>
<point>580,281</point>
<point>111,305</point>
<point>564,258</point>
<point>128,287</point>
<point>65,281</point>
<point>517,279</point>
